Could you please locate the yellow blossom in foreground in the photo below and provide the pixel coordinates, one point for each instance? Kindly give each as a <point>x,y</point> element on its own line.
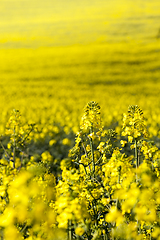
<point>79,231</point>
<point>114,215</point>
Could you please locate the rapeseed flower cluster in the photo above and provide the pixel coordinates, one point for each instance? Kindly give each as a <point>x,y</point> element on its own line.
<point>134,123</point>
<point>121,198</point>
<point>99,193</point>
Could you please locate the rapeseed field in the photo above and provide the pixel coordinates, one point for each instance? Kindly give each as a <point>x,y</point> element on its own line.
<point>79,125</point>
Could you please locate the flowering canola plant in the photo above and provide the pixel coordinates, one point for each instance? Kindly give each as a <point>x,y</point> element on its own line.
<point>103,192</point>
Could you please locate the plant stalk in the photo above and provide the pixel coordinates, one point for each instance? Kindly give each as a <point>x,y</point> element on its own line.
<point>136,158</point>
<point>92,152</point>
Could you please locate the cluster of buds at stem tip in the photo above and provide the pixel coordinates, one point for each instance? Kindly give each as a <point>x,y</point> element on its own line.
<point>134,124</point>
<point>91,118</point>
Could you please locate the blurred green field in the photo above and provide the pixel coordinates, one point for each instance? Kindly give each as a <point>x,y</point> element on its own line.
<point>55,56</point>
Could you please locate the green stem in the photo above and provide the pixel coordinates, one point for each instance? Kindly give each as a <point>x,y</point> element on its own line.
<point>119,174</point>
<point>105,237</point>
<point>25,226</point>
<point>86,157</point>
<point>150,237</point>
<point>136,158</point>
<point>91,145</point>
<point>112,234</point>
<point>93,163</point>
<point>85,170</point>
<point>69,230</point>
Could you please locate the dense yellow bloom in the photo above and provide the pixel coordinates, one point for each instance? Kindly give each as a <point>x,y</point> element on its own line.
<point>99,187</point>
<point>91,117</point>
<point>133,123</point>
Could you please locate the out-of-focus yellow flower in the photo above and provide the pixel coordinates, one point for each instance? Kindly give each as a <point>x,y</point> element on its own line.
<point>130,139</point>
<point>7,218</point>
<point>17,162</point>
<point>156,233</point>
<point>114,215</point>
<point>11,232</point>
<point>2,191</point>
<point>79,231</point>
<point>66,141</point>
<point>52,142</point>
<point>46,157</point>
<point>88,148</point>
<point>123,143</point>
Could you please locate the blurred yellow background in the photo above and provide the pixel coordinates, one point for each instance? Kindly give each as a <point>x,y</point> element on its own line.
<point>26,23</point>
<point>55,56</point>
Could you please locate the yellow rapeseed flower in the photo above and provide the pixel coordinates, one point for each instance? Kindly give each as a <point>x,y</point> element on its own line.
<point>79,231</point>
<point>114,215</point>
